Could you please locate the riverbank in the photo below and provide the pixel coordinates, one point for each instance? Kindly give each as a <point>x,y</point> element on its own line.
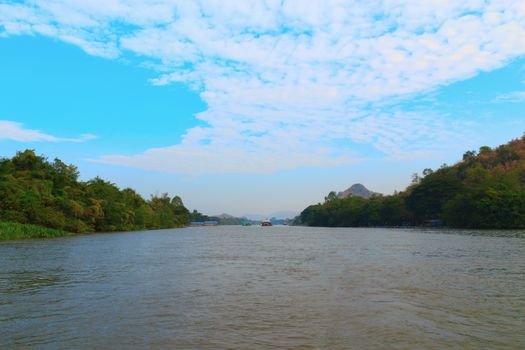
<point>13,230</point>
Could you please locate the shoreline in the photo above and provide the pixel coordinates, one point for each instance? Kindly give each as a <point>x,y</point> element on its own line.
<point>12,231</point>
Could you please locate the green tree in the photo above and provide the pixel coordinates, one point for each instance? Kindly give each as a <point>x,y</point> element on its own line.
<point>34,190</point>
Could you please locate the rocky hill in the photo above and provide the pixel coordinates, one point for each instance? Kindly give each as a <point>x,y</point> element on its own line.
<point>357,190</point>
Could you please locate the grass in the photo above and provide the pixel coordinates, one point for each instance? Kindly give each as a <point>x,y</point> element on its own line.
<point>13,230</point>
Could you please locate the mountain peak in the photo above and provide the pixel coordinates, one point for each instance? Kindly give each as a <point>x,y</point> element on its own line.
<point>358,190</point>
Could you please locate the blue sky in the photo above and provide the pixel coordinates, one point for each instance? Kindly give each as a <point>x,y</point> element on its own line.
<point>259,106</point>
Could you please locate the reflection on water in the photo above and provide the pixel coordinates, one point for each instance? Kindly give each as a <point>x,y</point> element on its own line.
<point>260,288</point>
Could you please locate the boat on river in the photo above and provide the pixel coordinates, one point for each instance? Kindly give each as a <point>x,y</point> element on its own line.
<point>266,222</point>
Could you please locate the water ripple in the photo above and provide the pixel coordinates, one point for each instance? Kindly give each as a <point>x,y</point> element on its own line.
<point>254,288</point>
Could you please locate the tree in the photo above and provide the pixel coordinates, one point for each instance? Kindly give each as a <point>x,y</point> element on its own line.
<point>34,190</point>
<point>415,179</point>
<point>484,150</point>
<point>330,197</point>
<point>469,156</point>
<point>427,199</point>
<point>427,171</point>
<point>484,190</point>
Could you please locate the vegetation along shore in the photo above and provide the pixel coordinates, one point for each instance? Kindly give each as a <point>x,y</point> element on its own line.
<point>49,195</point>
<point>485,190</point>
<point>14,230</point>
<point>40,198</point>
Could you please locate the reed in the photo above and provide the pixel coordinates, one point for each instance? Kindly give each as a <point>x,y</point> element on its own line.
<point>13,230</point>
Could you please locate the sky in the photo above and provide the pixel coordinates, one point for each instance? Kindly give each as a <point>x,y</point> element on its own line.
<point>256,107</point>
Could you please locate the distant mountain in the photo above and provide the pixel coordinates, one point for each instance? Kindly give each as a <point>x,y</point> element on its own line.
<point>225,216</point>
<point>357,190</point>
<point>281,215</point>
<point>255,217</point>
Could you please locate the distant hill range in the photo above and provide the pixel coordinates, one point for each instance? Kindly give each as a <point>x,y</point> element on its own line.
<point>279,215</point>
<point>277,218</point>
<point>357,190</point>
<point>225,216</point>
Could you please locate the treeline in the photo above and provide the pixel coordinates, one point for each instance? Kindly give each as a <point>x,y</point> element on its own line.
<point>36,191</point>
<point>199,217</point>
<point>484,190</point>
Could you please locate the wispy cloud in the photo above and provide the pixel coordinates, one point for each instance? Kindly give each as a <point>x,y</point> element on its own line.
<point>514,96</point>
<point>288,82</point>
<point>13,131</point>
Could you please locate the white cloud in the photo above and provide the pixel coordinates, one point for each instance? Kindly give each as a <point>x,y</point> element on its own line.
<point>13,131</point>
<point>288,82</point>
<point>514,96</point>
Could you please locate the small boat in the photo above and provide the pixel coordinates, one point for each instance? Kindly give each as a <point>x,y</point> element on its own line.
<point>266,222</point>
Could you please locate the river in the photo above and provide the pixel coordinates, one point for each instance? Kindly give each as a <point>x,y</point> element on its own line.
<point>235,287</point>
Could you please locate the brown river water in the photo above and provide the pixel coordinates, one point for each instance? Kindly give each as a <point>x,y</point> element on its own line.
<point>235,287</point>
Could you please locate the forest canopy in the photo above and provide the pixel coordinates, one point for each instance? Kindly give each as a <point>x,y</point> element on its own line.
<point>486,189</point>
<point>37,191</point>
